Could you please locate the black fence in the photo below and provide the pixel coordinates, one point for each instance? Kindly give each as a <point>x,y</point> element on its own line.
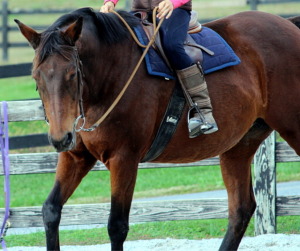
<point>15,70</point>
<point>27,141</point>
<point>255,3</point>
<point>5,29</point>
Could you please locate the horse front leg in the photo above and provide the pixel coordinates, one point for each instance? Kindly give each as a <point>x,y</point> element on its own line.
<point>123,178</point>
<point>71,169</point>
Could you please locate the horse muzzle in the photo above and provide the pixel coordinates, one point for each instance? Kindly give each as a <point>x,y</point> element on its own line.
<point>67,143</point>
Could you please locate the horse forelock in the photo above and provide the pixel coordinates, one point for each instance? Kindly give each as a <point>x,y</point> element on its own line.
<point>50,44</point>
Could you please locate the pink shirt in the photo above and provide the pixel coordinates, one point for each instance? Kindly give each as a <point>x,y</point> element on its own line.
<point>176,3</point>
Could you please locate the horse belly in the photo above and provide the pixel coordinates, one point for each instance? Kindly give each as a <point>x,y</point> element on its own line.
<point>236,105</point>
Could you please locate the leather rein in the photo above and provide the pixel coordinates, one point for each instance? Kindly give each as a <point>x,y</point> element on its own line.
<point>80,76</point>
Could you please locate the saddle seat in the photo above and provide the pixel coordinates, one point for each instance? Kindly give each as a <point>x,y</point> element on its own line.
<point>194,26</point>
<point>193,49</point>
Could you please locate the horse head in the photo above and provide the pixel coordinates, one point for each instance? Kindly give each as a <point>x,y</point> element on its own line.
<point>57,72</point>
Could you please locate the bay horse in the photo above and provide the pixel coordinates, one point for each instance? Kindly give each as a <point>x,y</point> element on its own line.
<point>250,100</point>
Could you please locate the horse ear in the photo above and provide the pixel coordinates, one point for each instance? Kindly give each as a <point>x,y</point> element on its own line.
<point>30,34</point>
<point>74,31</point>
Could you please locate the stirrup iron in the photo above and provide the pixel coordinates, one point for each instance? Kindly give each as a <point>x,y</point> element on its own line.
<point>203,124</point>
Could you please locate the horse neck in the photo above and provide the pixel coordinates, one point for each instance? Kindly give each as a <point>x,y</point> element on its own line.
<point>108,71</point>
<point>107,68</point>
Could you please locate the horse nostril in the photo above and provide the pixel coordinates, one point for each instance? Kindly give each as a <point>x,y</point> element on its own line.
<point>64,144</point>
<point>69,139</point>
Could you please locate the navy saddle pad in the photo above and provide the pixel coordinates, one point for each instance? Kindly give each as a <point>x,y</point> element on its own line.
<point>223,56</point>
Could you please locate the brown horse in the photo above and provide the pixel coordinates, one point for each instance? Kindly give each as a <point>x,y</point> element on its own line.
<point>264,88</point>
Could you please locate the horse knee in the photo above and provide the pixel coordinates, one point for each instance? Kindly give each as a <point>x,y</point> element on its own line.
<point>51,215</point>
<point>117,230</point>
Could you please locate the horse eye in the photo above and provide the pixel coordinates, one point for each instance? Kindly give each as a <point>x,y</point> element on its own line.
<point>73,76</point>
<point>36,83</point>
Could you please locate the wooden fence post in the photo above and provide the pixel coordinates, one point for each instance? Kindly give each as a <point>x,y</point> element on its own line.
<point>128,5</point>
<point>4,31</point>
<point>253,4</point>
<point>265,187</point>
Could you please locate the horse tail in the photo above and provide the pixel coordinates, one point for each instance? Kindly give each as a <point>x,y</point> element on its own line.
<point>295,20</point>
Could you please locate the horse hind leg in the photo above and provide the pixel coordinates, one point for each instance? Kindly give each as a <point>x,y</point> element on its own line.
<point>291,134</point>
<point>236,172</point>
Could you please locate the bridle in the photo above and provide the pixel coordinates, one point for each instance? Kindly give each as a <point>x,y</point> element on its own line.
<point>80,75</point>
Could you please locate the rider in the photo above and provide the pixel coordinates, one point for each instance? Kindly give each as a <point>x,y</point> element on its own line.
<point>175,26</point>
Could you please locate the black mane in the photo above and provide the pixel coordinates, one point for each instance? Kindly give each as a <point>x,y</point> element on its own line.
<point>110,29</point>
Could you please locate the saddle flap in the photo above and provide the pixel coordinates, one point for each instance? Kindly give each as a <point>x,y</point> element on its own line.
<point>157,45</point>
<point>192,49</point>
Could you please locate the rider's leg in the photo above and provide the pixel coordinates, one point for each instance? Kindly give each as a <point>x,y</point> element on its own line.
<point>193,80</point>
<point>175,32</point>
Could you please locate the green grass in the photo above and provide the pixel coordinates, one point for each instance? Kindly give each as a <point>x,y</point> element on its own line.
<point>54,4</point>
<point>17,89</point>
<point>24,128</point>
<point>188,229</point>
<point>32,190</point>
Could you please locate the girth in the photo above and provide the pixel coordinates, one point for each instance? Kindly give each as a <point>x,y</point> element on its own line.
<point>168,124</point>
